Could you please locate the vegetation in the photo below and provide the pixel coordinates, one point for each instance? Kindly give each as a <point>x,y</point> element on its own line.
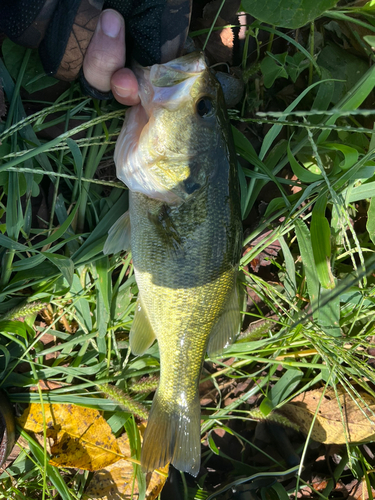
<point>304,134</point>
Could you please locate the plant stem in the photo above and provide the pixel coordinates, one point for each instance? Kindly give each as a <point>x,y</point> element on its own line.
<point>57,182</point>
<point>9,256</point>
<point>93,159</point>
<point>91,166</point>
<point>84,154</point>
<point>213,24</point>
<point>17,87</point>
<point>312,39</point>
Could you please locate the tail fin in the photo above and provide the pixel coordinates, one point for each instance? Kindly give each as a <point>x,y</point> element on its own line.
<point>173,435</point>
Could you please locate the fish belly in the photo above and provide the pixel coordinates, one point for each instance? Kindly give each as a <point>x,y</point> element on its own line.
<point>183,320</point>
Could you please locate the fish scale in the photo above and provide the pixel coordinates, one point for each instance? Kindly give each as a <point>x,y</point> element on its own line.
<point>176,155</point>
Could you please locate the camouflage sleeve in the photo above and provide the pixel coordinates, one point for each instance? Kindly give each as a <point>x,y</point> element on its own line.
<point>62,29</point>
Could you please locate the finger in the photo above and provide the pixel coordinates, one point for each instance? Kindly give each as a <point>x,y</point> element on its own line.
<point>106,52</point>
<point>125,87</point>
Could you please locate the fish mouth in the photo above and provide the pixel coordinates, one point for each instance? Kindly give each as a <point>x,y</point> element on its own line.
<point>179,70</point>
<point>145,162</point>
<point>169,84</point>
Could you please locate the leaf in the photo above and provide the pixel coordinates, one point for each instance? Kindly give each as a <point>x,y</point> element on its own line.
<point>80,437</point>
<point>77,155</point>
<point>14,327</point>
<point>305,247</point>
<point>370,225</point>
<point>275,130</point>
<point>351,100</point>
<point>271,70</point>
<point>35,77</point>
<point>302,173</point>
<point>63,263</point>
<point>3,108</point>
<point>116,480</point>
<point>358,416</point>
<point>343,66</point>
<point>12,245</point>
<point>281,390</point>
<point>286,14</point>
<point>14,216</point>
<point>321,243</point>
<point>104,281</point>
<point>95,242</point>
<point>350,154</point>
<point>82,305</point>
<point>52,474</point>
<point>290,283</point>
<point>329,311</point>
<point>4,182</point>
<point>370,39</point>
<point>285,386</point>
<point>61,230</point>
<point>8,427</point>
<point>357,193</point>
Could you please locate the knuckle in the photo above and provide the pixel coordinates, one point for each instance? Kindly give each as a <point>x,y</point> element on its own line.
<point>104,62</point>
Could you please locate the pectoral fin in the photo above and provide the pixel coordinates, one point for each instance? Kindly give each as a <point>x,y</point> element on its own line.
<point>141,334</point>
<point>118,239</point>
<point>167,232</point>
<point>228,325</point>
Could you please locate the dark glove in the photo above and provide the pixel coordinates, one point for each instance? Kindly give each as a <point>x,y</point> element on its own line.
<point>156,30</point>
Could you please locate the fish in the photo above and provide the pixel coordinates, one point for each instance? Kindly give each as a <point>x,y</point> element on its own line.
<point>175,153</point>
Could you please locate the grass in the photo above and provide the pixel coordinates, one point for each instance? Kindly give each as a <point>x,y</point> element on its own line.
<point>66,309</point>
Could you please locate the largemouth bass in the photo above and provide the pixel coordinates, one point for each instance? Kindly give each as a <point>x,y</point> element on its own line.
<point>175,153</point>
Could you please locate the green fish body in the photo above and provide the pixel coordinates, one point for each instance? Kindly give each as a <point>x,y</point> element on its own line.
<point>176,155</point>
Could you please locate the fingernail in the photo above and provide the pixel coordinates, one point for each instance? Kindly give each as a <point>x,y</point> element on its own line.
<point>110,23</point>
<point>123,92</point>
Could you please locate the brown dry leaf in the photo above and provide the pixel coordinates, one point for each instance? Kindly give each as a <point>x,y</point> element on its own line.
<point>358,490</point>
<point>80,437</point>
<point>115,482</point>
<point>358,416</point>
<point>264,257</point>
<point>46,385</point>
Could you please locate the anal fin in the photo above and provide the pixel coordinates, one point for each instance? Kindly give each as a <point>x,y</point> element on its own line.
<point>141,333</point>
<point>227,326</point>
<point>118,239</point>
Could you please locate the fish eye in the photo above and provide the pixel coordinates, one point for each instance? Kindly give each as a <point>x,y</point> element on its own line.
<point>204,107</point>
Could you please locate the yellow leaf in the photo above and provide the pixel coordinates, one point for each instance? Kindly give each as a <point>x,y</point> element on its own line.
<point>358,416</point>
<point>80,437</point>
<point>115,482</point>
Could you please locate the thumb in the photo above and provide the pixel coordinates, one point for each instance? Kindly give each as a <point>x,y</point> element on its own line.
<point>106,52</point>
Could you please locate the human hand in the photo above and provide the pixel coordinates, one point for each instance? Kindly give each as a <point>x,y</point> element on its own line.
<point>104,61</point>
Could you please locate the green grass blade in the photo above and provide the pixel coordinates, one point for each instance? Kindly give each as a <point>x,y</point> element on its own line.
<point>305,247</point>
<point>352,100</point>
<point>64,264</point>
<point>52,473</point>
<point>321,243</point>
<point>82,305</point>
<point>290,283</point>
<point>329,312</point>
